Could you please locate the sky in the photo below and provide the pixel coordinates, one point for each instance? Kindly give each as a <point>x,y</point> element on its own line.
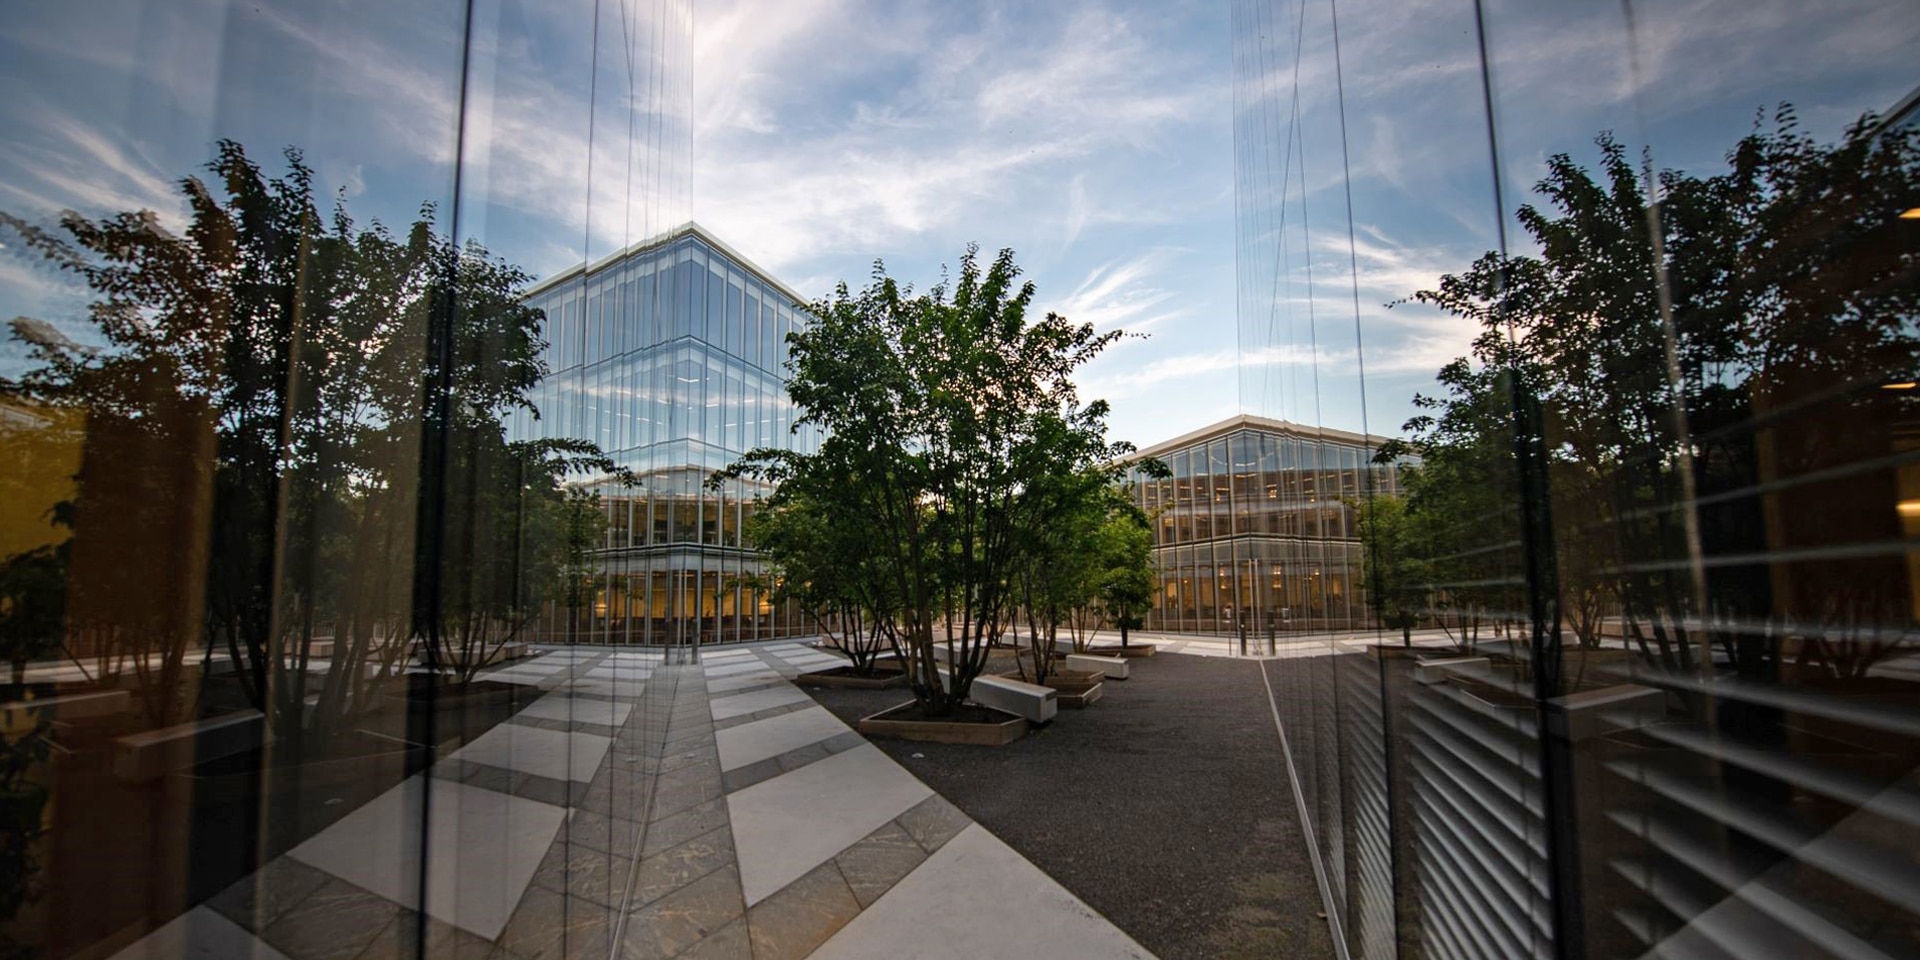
<point>1094,137</point>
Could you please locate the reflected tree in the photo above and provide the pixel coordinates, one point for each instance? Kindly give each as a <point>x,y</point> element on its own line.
<point>308,415</point>
<point>1700,365</point>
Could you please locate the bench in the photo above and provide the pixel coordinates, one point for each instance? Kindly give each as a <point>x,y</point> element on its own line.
<point>144,756</point>
<point>1434,671</point>
<point>78,706</point>
<point>1037,703</point>
<point>1589,713</point>
<point>1113,668</point>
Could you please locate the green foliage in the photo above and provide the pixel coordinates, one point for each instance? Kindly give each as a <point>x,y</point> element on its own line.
<point>1659,344</point>
<point>335,395</point>
<point>951,423</point>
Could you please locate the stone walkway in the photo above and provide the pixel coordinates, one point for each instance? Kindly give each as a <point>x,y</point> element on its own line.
<point>643,810</point>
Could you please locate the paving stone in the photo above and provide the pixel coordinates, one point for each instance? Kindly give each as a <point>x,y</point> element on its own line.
<point>671,831</point>
<point>843,742</point>
<point>260,899</point>
<point>933,822</point>
<point>544,789</point>
<point>672,795</point>
<point>731,942</point>
<point>596,875</point>
<point>497,779</point>
<point>872,866</point>
<point>400,940</point>
<point>684,917</point>
<point>795,759</point>
<point>789,924</point>
<point>670,870</point>
<point>675,759</point>
<point>334,922</point>
<point>751,774</point>
<point>551,926</point>
<point>597,831</point>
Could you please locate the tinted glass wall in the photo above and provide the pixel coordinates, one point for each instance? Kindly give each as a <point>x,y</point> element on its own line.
<point>670,358</point>
<point>269,555</point>
<point>1256,527</point>
<point>1636,287</point>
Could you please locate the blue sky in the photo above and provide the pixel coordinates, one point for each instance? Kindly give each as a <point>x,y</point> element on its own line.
<point>1096,138</point>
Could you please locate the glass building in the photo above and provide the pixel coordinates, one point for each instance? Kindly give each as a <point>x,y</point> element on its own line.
<point>1255,527</point>
<point>668,356</point>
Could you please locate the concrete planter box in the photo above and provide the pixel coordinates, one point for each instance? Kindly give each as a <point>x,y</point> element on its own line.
<point>888,723</point>
<point>1076,689</point>
<point>1130,650</point>
<point>881,680</point>
<point>1113,668</point>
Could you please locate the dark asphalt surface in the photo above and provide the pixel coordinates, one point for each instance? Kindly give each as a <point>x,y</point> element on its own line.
<point>1165,806</point>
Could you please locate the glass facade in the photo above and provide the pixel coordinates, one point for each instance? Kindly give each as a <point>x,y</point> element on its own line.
<point>669,357</point>
<point>1642,282</point>
<point>1255,527</point>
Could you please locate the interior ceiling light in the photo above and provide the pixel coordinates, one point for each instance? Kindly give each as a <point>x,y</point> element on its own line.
<point>1911,213</point>
<point>1903,385</point>
<point>1908,508</point>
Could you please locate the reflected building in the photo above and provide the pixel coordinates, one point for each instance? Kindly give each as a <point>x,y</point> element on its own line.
<point>668,355</point>
<point>1256,525</point>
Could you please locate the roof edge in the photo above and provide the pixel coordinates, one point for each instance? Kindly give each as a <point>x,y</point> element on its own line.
<point>1250,421</point>
<point>688,229</point>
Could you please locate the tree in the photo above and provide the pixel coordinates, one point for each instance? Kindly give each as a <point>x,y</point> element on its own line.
<point>1126,568</point>
<point>821,558</point>
<point>1657,369</point>
<point>303,418</point>
<point>947,416</point>
<point>1397,581</point>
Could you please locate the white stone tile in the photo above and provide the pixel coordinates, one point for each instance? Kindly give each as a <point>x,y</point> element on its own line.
<point>725,654</point>
<point>752,742</point>
<point>625,690</point>
<point>559,706</point>
<point>199,934</point>
<point>618,672</point>
<point>482,848</point>
<point>546,753</point>
<point>514,677</point>
<point>740,682</point>
<point>754,701</point>
<point>729,669</point>
<point>956,905</point>
<point>790,824</point>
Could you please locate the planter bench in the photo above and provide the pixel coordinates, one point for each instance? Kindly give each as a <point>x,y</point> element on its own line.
<point>78,706</point>
<point>1113,668</point>
<point>145,756</point>
<point>1434,671</point>
<point>1030,700</point>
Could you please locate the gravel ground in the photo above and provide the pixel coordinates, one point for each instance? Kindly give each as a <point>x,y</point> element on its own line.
<point>1165,806</point>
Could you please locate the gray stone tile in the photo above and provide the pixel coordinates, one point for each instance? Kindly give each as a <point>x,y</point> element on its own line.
<point>933,822</point>
<point>544,789</point>
<point>597,831</point>
<point>260,899</point>
<point>577,871</point>
<point>872,866</point>
<point>675,759</point>
<point>488,778</point>
<point>795,759</point>
<point>334,922</point>
<point>731,942</point>
<point>751,774</point>
<point>670,870</point>
<point>789,924</point>
<point>552,926</point>
<point>672,831</point>
<point>684,917</point>
<point>400,940</point>
<point>843,742</point>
